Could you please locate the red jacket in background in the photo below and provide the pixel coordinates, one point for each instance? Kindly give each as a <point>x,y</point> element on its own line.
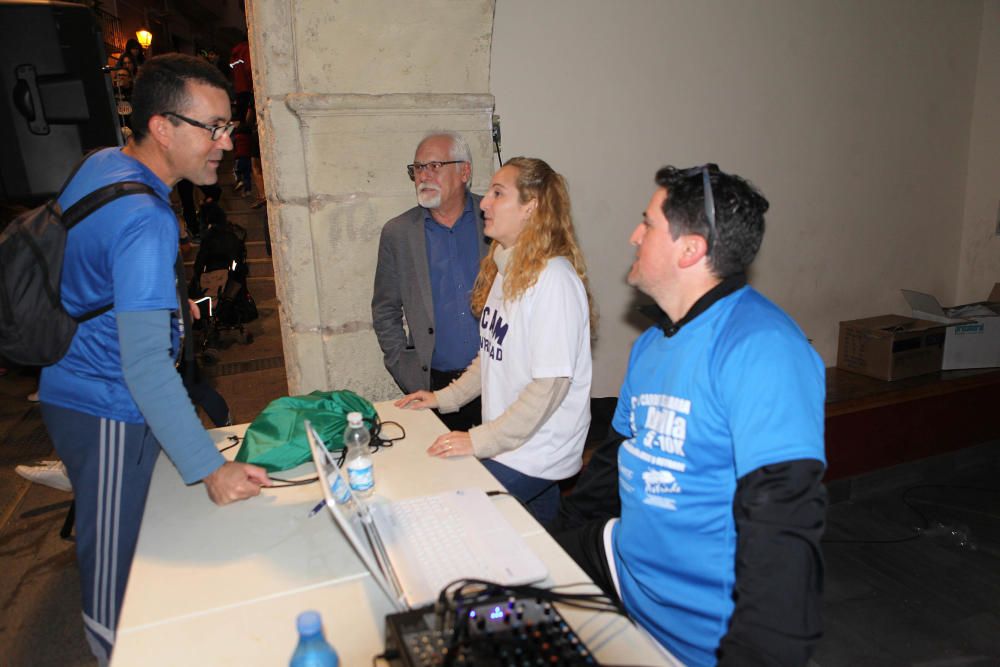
<point>242,81</point>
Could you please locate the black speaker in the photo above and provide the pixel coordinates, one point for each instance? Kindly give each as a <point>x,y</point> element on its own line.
<point>56,101</point>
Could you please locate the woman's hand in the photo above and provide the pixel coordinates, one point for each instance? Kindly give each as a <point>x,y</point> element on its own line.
<point>455,443</point>
<point>418,400</point>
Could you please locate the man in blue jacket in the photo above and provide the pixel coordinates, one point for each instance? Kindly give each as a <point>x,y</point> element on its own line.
<point>718,445</point>
<point>116,398</point>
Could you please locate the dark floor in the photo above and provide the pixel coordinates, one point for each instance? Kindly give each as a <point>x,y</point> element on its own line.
<point>913,572</point>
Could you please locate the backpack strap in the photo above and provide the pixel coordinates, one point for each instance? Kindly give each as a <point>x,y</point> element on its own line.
<point>102,197</point>
<point>90,204</point>
<point>187,353</point>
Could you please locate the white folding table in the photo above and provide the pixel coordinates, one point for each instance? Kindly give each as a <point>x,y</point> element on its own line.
<point>223,585</point>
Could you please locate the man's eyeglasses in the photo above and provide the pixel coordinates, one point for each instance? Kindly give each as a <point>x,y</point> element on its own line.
<point>434,167</point>
<point>706,184</point>
<point>217,131</point>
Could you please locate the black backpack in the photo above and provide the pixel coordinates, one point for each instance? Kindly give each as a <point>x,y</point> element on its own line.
<point>35,330</point>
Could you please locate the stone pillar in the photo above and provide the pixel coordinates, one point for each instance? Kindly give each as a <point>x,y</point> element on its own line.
<point>344,92</point>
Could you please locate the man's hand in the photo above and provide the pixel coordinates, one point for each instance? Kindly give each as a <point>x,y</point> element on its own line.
<point>235,481</point>
<point>418,400</point>
<point>195,310</point>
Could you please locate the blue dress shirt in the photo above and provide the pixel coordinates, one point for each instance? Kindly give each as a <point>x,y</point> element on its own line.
<point>453,263</point>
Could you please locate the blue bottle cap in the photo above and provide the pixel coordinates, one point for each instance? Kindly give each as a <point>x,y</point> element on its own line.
<point>309,623</point>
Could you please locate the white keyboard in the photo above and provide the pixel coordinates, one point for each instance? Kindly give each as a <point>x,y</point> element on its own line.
<point>434,540</point>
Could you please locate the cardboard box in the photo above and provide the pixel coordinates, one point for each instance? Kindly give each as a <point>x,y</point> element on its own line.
<point>973,339</point>
<point>890,347</point>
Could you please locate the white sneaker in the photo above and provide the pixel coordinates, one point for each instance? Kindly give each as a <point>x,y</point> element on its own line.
<point>48,473</point>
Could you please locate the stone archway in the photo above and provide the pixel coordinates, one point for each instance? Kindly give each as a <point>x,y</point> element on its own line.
<point>344,92</point>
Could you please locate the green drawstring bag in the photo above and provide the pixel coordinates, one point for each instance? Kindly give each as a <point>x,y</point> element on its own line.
<point>276,440</point>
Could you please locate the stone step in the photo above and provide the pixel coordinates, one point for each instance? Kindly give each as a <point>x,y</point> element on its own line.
<point>255,222</point>
<point>261,287</point>
<point>233,201</point>
<point>261,268</point>
<point>255,250</point>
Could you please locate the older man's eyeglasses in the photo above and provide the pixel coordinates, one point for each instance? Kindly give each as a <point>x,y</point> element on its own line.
<point>434,167</point>
<point>217,131</point>
<point>706,184</point>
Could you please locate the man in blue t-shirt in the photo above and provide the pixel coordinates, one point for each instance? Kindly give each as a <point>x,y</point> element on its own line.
<point>718,445</point>
<point>116,398</point>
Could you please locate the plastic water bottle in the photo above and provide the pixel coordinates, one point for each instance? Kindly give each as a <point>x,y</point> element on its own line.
<point>313,650</point>
<point>359,460</point>
<point>340,490</point>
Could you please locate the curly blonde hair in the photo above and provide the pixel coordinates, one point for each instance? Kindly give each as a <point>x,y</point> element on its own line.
<point>548,233</point>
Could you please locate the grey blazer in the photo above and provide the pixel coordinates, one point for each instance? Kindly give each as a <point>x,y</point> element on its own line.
<point>402,305</point>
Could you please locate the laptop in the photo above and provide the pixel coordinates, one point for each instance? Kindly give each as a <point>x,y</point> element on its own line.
<point>413,548</point>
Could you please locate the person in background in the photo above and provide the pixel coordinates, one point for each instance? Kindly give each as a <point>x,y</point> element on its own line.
<point>428,259</point>
<point>116,398</point>
<point>719,445</point>
<point>132,57</point>
<point>211,55</point>
<point>534,365</point>
<point>242,77</point>
<point>243,143</point>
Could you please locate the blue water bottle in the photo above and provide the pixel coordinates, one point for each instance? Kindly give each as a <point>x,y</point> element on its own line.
<point>313,649</point>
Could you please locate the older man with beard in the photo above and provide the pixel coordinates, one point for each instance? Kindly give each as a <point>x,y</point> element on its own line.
<point>428,259</point>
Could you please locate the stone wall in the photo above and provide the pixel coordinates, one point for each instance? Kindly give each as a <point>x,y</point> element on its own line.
<point>344,92</point>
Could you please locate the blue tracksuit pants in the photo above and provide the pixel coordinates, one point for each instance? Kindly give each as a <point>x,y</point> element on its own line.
<point>110,464</point>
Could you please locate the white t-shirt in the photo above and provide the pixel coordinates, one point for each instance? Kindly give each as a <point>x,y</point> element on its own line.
<point>545,333</point>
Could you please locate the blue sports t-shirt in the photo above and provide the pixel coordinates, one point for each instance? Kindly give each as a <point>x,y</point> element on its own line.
<point>737,388</point>
<point>122,254</point>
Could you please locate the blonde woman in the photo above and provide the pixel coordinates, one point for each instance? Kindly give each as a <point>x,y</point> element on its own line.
<point>533,370</point>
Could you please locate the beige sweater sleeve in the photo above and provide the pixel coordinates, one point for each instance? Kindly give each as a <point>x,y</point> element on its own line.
<point>468,386</point>
<point>534,405</point>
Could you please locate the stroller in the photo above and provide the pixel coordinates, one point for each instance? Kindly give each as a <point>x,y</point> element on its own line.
<point>220,272</point>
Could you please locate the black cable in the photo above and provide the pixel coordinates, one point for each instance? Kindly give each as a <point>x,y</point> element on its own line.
<point>507,493</point>
<point>377,443</point>
<point>897,541</point>
<point>918,532</point>
<point>388,655</point>
<point>291,482</point>
<point>487,590</point>
<point>376,432</point>
<point>453,604</point>
<point>235,439</point>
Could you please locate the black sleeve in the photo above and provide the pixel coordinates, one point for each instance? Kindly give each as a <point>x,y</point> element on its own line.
<point>780,512</point>
<point>595,495</point>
